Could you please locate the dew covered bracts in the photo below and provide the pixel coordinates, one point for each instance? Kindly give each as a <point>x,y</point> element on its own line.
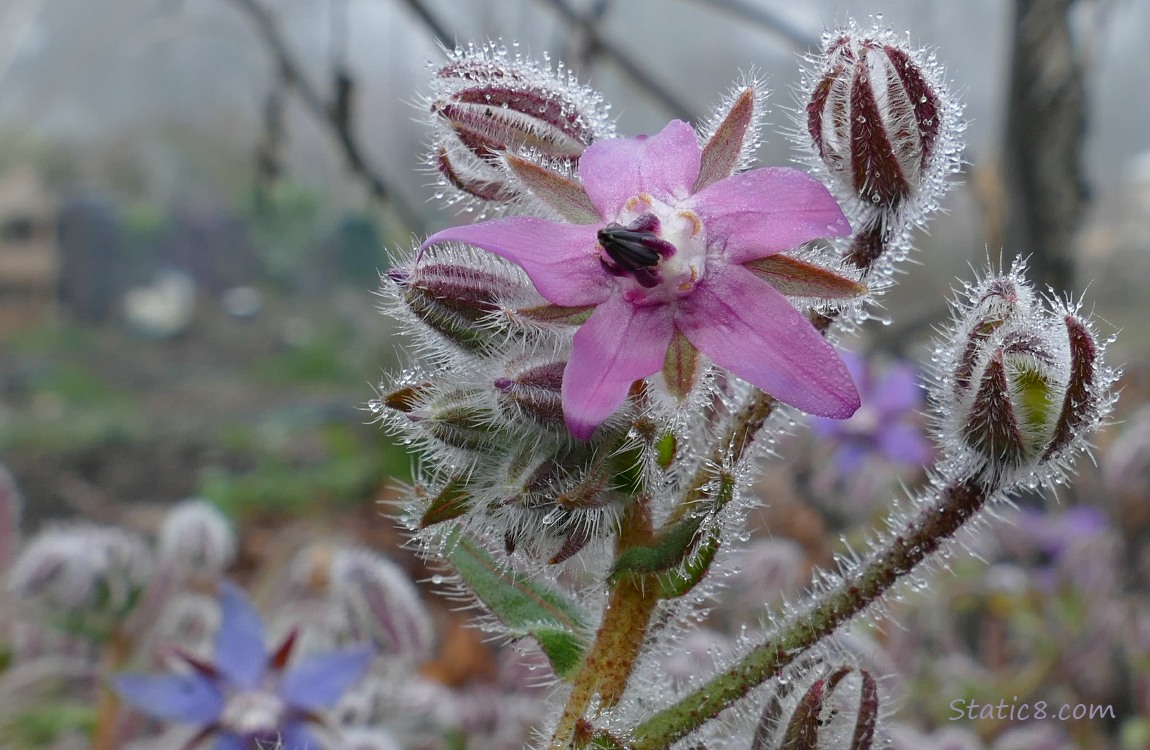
<point>880,122</point>
<point>488,102</point>
<point>1019,381</point>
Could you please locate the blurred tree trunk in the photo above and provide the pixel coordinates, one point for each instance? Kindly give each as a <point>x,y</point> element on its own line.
<point>1045,124</point>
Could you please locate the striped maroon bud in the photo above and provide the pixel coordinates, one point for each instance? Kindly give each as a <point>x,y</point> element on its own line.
<point>454,299</point>
<point>839,710</point>
<point>875,119</point>
<point>486,103</point>
<point>536,393</point>
<point>381,604</point>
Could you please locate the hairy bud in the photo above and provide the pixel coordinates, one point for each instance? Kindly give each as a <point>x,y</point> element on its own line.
<point>882,123</point>
<point>535,393</point>
<point>381,603</point>
<point>454,300</point>
<point>838,710</point>
<point>486,103</point>
<point>82,570</point>
<point>1020,381</point>
<point>196,538</point>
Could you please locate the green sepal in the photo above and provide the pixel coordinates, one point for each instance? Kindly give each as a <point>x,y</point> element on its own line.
<point>525,606</point>
<point>668,550</point>
<point>677,582</point>
<point>557,314</point>
<point>665,449</point>
<point>451,502</point>
<point>628,470</point>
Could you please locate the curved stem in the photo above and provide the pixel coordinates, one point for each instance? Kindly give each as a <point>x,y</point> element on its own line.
<point>920,537</point>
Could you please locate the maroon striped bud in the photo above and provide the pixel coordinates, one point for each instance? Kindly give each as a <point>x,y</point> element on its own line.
<point>839,710</point>
<point>1022,382</point>
<point>486,103</point>
<point>536,393</point>
<point>874,118</point>
<point>381,604</point>
<point>454,299</point>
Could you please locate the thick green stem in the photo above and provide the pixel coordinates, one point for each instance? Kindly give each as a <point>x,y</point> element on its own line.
<point>920,537</point>
<point>608,664</point>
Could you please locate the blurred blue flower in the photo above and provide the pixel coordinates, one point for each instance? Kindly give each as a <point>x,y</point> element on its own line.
<point>887,422</point>
<point>247,698</point>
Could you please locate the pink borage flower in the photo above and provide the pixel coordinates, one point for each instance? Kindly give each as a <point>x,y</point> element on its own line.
<point>667,254</point>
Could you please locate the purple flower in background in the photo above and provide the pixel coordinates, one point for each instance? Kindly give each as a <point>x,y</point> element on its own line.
<point>673,261</point>
<point>885,424</point>
<point>247,699</point>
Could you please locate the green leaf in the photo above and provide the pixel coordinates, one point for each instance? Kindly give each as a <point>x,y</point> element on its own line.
<point>526,606</point>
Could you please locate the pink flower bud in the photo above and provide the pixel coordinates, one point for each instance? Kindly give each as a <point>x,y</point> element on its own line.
<point>486,103</point>
<point>882,124</point>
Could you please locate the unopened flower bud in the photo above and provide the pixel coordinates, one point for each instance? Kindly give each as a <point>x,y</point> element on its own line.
<point>838,710</point>
<point>1021,382</point>
<point>882,123</point>
<point>535,392</point>
<point>487,103</point>
<point>461,419</point>
<point>82,570</point>
<point>381,603</point>
<point>196,538</point>
<point>874,118</point>
<point>454,299</point>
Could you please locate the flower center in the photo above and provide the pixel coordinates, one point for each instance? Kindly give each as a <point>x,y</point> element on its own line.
<point>657,246</point>
<point>253,712</point>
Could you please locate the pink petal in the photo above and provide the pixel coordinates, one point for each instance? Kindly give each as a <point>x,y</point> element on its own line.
<point>664,166</point>
<point>561,259</point>
<point>746,326</point>
<point>619,344</point>
<point>766,211</point>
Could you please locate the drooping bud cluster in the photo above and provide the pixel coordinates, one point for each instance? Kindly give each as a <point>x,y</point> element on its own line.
<point>487,102</point>
<point>1019,381</point>
<point>487,410</point>
<point>87,571</point>
<point>885,128</point>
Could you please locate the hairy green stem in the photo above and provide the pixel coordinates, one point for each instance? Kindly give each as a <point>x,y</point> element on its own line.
<point>920,537</point>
